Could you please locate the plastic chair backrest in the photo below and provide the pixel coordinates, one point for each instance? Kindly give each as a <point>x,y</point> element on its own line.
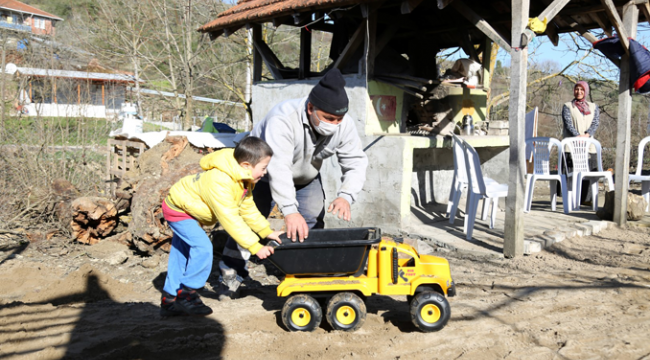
<point>579,149</point>
<point>542,148</point>
<point>639,165</point>
<point>474,172</point>
<point>459,159</point>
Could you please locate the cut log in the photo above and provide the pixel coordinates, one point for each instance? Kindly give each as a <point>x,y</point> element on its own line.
<point>148,227</point>
<point>93,218</point>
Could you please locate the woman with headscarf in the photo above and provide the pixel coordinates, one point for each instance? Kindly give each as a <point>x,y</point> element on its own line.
<point>581,119</point>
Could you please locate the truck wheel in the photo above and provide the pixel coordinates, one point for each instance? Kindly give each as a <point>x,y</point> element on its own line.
<point>430,311</point>
<point>346,311</point>
<point>301,313</point>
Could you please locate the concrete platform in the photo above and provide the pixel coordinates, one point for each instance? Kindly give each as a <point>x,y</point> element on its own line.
<point>543,227</point>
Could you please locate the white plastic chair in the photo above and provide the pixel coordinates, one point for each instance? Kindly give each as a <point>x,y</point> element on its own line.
<point>579,149</point>
<point>459,180</point>
<point>643,179</point>
<point>478,188</point>
<point>541,147</point>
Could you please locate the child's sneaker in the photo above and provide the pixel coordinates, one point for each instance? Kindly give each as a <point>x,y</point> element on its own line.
<point>168,307</point>
<point>229,286</point>
<point>189,302</point>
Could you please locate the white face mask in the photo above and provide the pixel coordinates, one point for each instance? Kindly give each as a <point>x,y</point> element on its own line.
<point>324,128</point>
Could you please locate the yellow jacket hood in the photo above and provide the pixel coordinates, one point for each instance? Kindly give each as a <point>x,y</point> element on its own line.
<point>224,160</point>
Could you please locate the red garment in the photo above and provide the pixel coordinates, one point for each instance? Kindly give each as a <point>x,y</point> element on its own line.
<point>172,215</point>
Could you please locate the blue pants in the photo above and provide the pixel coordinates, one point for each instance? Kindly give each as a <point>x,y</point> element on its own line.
<point>311,205</point>
<point>190,257</point>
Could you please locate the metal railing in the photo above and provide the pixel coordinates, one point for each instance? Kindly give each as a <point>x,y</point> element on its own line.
<point>13,26</point>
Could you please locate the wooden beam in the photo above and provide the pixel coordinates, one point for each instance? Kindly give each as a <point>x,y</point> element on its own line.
<point>610,9</point>
<point>603,22</point>
<point>513,244</point>
<point>481,24</point>
<point>443,3</point>
<point>551,32</point>
<point>257,57</point>
<point>468,47</point>
<point>623,125</point>
<point>572,23</point>
<point>305,53</point>
<point>385,37</point>
<point>553,9</point>
<point>645,9</point>
<point>232,30</point>
<point>351,47</point>
<point>272,62</point>
<point>409,5</point>
<point>215,34</point>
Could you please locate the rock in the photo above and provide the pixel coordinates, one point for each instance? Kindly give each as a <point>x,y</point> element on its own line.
<point>635,207</point>
<point>108,251</point>
<point>151,263</point>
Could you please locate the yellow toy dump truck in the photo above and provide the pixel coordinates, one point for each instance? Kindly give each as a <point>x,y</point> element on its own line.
<point>340,267</point>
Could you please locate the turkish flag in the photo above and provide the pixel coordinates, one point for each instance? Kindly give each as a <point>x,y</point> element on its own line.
<point>385,106</point>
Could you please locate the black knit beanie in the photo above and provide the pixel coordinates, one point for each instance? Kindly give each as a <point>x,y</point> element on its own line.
<point>329,94</point>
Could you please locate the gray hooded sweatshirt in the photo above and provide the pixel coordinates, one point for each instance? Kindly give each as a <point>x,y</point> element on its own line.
<point>298,153</point>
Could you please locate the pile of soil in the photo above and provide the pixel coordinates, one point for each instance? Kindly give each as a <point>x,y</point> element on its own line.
<point>581,298</point>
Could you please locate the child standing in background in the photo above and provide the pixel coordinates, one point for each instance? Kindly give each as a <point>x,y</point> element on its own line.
<point>222,193</point>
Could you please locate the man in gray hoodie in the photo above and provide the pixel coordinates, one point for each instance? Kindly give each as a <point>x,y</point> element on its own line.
<point>303,133</point>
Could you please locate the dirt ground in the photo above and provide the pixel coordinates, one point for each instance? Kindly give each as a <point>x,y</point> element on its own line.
<point>584,298</point>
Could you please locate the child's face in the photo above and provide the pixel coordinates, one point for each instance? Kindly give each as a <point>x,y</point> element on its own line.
<point>258,171</point>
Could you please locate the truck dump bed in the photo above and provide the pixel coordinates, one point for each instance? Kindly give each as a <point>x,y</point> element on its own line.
<point>326,252</point>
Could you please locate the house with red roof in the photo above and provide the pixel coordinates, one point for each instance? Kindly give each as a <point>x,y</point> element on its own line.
<point>19,16</point>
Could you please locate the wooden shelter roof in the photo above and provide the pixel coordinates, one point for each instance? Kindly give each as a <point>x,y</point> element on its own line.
<point>419,17</point>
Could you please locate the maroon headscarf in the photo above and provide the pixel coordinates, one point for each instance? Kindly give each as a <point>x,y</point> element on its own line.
<point>582,105</point>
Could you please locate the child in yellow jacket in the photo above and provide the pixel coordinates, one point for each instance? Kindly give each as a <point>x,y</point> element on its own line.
<point>222,193</point>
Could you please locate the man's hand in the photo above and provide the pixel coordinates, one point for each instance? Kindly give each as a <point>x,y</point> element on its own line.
<point>296,225</point>
<point>341,208</point>
<point>276,236</point>
<point>265,252</point>
<point>584,135</point>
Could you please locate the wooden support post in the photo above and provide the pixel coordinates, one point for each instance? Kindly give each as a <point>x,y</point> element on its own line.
<point>481,24</point>
<point>485,62</point>
<point>78,93</point>
<point>103,94</point>
<point>305,54</point>
<point>257,57</point>
<point>623,127</point>
<point>513,244</point>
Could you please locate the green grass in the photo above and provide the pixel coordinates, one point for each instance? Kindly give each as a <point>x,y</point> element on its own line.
<point>56,131</point>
